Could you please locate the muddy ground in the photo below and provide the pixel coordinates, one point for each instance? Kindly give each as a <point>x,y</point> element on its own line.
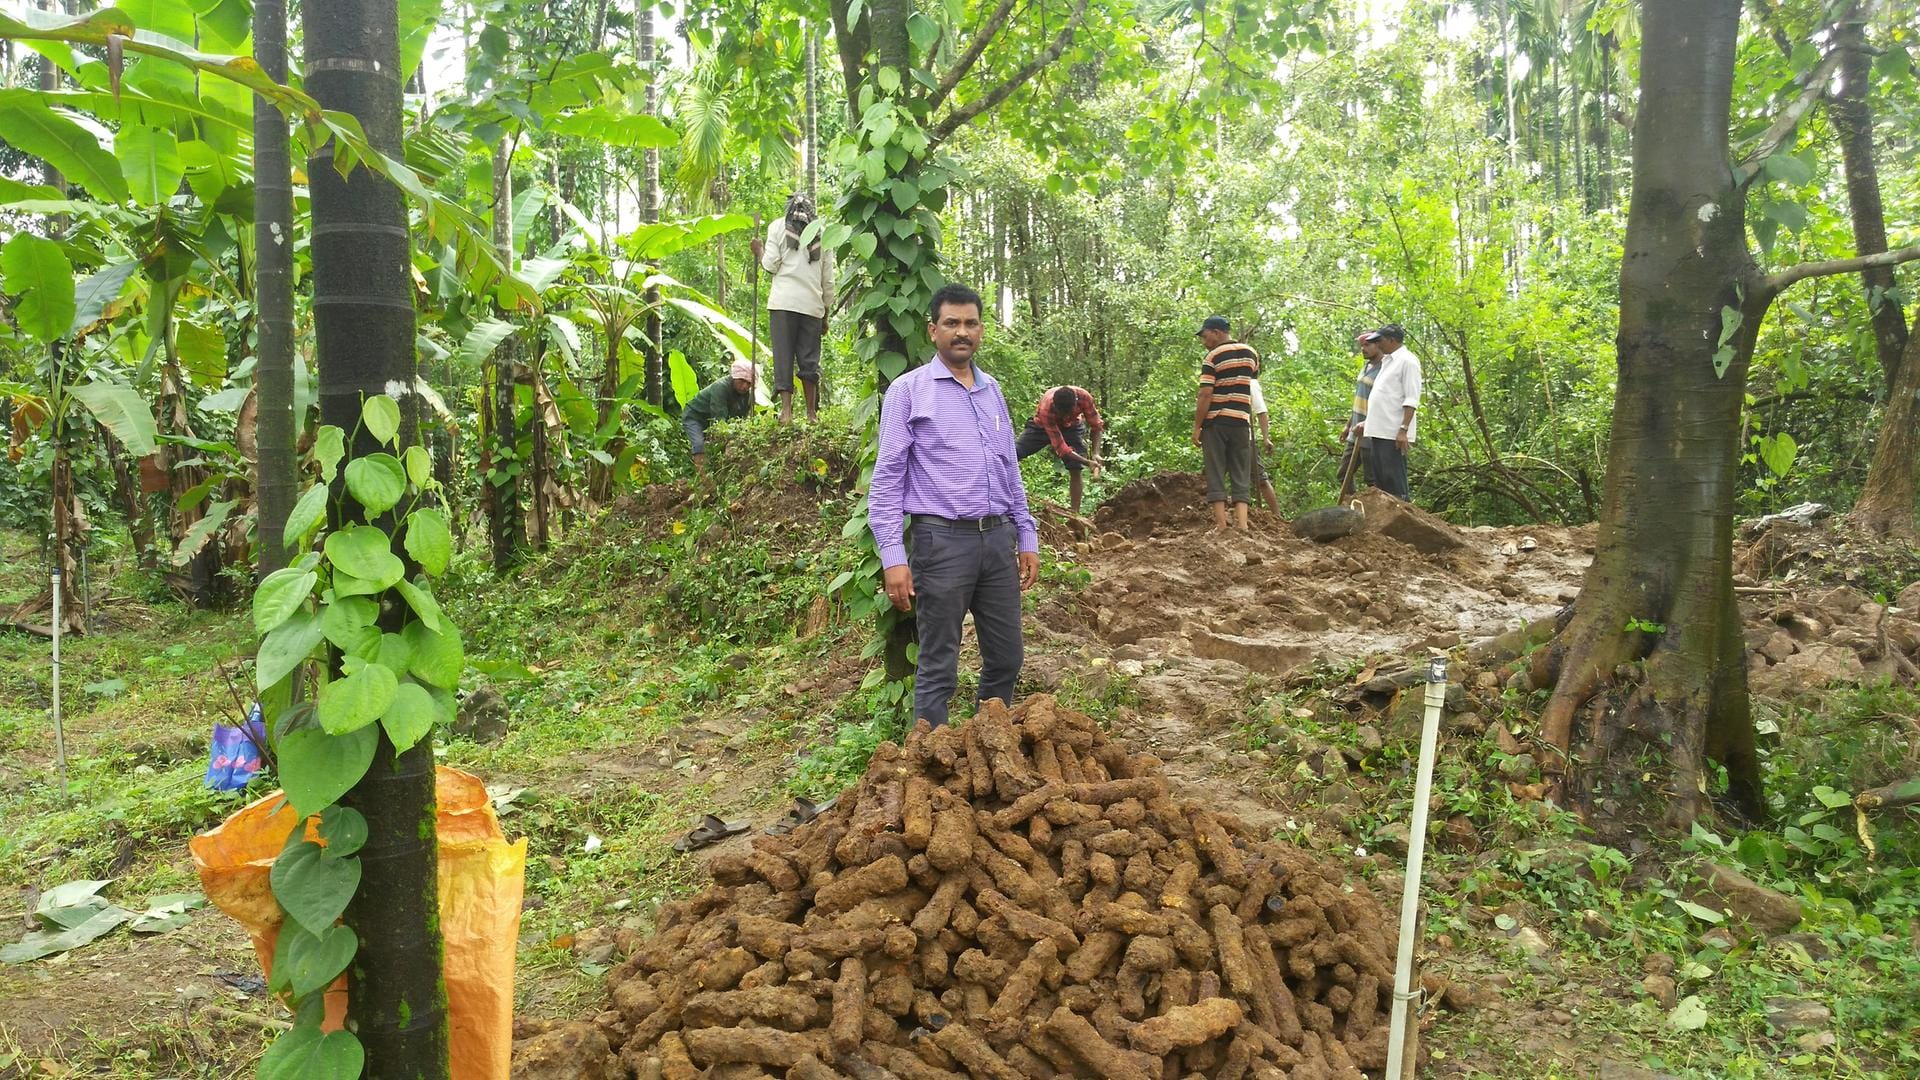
<point>1199,627</point>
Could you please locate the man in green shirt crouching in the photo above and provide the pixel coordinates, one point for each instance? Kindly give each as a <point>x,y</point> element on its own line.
<point>724,399</point>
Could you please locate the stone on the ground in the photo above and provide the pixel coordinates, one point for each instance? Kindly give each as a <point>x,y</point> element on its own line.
<point>1617,1070</point>
<point>1813,667</point>
<point>482,716</point>
<point>572,1051</point>
<point>1661,988</point>
<point>1763,908</point>
<point>1518,767</point>
<point>1255,654</point>
<point>1909,598</point>
<point>1531,941</point>
<point>1504,739</point>
<point>1719,938</point>
<point>1797,1014</point>
<point>1328,524</point>
<point>1408,524</point>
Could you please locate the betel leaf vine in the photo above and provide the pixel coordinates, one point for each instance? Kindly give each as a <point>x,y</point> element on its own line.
<point>330,679</point>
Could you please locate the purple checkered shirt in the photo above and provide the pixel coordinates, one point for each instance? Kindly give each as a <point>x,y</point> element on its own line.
<point>947,451</point>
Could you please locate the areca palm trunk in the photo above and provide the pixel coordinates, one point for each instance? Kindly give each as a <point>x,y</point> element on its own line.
<point>364,331</point>
<point>273,295</point>
<point>649,214</point>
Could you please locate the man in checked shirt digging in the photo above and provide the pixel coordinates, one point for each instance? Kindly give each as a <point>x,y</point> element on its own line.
<point>1066,420</point>
<point>946,457</point>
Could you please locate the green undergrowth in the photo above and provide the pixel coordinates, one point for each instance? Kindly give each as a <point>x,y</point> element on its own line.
<point>1506,864</point>
<point>139,697</point>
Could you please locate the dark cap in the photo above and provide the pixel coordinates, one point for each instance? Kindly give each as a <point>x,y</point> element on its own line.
<point>1367,335</point>
<point>1214,322</point>
<point>1393,330</point>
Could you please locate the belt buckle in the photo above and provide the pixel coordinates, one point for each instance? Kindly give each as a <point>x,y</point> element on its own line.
<point>980,524</point>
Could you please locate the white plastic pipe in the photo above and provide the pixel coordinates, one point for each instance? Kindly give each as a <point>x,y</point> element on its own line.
<point>1397,1067</point>
<point>59,733</point>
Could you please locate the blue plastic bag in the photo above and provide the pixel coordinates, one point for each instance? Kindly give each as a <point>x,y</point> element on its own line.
<point>234,755</point>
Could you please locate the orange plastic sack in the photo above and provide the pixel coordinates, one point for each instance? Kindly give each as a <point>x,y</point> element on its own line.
<point>482,877</point>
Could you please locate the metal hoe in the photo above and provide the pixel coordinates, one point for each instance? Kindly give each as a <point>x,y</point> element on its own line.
<point>1403,993</point>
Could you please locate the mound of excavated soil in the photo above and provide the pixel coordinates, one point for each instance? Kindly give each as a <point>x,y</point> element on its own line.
<point>1015,896</point>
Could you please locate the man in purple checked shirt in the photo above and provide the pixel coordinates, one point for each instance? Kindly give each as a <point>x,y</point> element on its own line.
<point>947,458</point>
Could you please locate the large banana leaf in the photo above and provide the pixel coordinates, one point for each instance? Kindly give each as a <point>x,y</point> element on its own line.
<point>122,410</point>
<point>150,160</point>
<point>631,131</point>
<point>94,297</point>
<point>56,138</point>
<point>37,273</point>
<point>486,335</point>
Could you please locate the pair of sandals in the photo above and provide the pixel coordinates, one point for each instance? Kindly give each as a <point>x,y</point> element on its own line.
<point>712,829</point>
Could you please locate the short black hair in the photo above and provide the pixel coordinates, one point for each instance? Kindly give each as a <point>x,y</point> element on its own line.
<point>1064,399</point>
<point>955,293</point>
<point>1393,331</point>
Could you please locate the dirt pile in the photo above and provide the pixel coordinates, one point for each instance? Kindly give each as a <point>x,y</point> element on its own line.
<point>1159,505</point>
<point>1016,896</point>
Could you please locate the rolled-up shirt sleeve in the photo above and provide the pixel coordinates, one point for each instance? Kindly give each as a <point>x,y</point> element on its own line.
<point>1410,385</point>
<point>1094,423</point>
<point>886,492</point>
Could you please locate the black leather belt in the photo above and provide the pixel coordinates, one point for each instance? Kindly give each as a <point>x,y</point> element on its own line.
<point>968,524</point>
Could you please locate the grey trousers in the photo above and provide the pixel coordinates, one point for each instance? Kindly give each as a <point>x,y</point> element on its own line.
<point>1227,451</point>
<point>957,569</point>
<point>1387,468</point>
<point>796,345</point>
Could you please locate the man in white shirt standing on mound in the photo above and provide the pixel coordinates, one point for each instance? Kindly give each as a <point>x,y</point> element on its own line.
<point>1391,427</point>
<point>798,300</point>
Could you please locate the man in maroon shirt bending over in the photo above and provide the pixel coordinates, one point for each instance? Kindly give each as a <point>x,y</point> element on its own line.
<point>1066,420</point>
<point>946,458</point>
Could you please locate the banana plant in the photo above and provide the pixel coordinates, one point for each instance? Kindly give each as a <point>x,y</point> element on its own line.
<point>52,313</point>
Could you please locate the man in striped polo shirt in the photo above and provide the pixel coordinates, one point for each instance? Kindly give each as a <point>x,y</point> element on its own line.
<point>1350,468</point>
<point>1222,420</point>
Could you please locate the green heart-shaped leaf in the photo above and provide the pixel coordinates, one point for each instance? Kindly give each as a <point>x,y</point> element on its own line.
<point>365,552</point>
<point>314,960</point>
<point>317,768</point>
<point>306,515</point>
<point>344,829</point>
<point>345,618</point>
<point>381,414</point>
<point>438,658</point>
<point>422,603</point>
<point>377,481</point>
<point>410,717</point>
<point>429,541</point>
<point>307,1053</point>
<point>281,594</point>
<point>311,887</point>
<point>351,703</point>
<point>285,647</point>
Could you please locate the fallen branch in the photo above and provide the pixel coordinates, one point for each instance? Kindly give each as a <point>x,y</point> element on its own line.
<point>1901,793</point>
<point>268,1023</point>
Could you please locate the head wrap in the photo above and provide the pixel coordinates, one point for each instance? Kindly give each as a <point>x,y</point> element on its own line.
<point>799,216</point>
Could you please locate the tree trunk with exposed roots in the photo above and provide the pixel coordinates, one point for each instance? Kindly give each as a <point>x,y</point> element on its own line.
<point>1649,676</point>
<point>1885,506</point>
